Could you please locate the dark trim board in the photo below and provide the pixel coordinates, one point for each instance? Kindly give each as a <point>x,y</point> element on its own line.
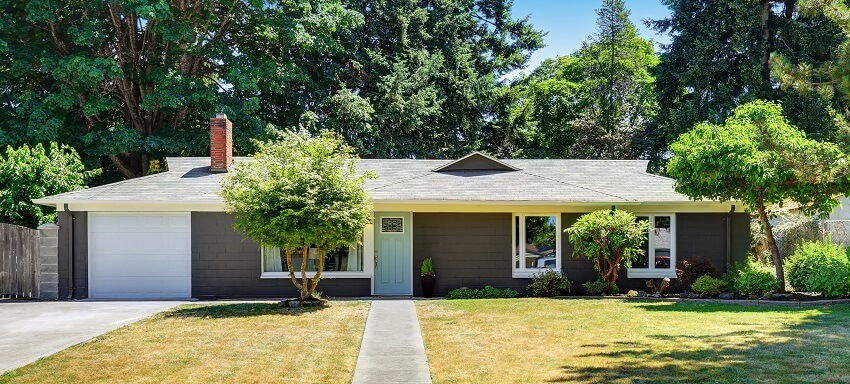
<point>80,252</point>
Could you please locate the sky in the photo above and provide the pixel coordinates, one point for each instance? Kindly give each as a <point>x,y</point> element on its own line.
<point>570,22</point>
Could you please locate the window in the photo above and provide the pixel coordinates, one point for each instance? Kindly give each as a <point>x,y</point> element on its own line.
<point>536,242</point>
<point>343,260</point>
<point>392,225</point>
<point>660,247</point>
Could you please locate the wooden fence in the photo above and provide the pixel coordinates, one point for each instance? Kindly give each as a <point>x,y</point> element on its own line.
<point>18,261</point>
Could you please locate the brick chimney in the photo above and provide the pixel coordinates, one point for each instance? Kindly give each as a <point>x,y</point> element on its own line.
<point>221,143</point>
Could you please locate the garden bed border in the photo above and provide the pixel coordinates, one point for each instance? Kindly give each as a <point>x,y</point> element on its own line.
<point>757,302</point>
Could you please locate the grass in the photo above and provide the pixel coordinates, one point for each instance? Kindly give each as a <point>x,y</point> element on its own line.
<point>222,343</point>
<point>607,341</point>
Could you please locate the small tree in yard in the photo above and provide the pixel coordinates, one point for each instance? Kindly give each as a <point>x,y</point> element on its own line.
<point>611,239</point>
<point>28,173</point>
<point>300,192</point>
<point>758,158</point>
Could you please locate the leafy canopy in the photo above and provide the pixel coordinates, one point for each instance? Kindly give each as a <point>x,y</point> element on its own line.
<point>129,82</point>
<point>610,238</point>
<point>757,157</point>
<point>593,103</point>
<point>132,81</point>
<point>300,192</point>
<point>760,159</point>
<point>28,173</point>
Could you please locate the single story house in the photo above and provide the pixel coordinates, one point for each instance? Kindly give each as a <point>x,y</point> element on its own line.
<point>483,221</point>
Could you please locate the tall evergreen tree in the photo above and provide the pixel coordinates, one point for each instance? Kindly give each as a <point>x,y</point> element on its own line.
<point>428,70</point>
<point>719,58</point>
<point>620,87</point>
<point>594,103</point>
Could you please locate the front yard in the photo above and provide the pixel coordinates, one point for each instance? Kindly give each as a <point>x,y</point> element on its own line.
<point>603,341</point>
<point>231,343</point>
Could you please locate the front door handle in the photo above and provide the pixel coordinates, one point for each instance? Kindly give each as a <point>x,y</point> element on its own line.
<point>376,258</point>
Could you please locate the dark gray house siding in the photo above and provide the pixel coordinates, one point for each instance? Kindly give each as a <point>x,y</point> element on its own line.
<point>80,254</point>
<point>697,234</point>
<point>474,249</point>
<point>469,250</point>
<point>225,264</point>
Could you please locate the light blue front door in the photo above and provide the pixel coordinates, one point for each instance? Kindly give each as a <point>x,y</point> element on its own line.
<point>393,270</point>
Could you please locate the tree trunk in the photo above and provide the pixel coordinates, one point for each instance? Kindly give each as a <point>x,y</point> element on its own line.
<point>771,244</point>
<point>304,281</point>
<point>320,253</point>
<point>291,272</point>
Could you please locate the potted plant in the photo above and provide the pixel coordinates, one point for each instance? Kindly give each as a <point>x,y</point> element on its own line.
<point>428,278</point>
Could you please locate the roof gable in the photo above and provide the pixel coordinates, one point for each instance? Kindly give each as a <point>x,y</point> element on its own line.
<point>476,161</point>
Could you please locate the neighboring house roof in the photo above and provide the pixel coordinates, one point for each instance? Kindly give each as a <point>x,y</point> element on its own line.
<point>404,180</point>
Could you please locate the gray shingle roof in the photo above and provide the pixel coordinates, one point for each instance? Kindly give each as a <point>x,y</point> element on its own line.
<point>538,181</point>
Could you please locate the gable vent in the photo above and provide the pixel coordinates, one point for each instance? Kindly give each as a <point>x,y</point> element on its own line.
<point>476,161</point>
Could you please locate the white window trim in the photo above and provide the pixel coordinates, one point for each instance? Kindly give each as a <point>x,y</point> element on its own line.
<point>523,273</point>
<point>364,274</point>
<point>651,272</point>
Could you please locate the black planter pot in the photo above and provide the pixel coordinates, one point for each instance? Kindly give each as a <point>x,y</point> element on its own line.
<point>428,286</point>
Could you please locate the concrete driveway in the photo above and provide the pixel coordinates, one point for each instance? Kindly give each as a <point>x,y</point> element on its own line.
<point>31,330</point>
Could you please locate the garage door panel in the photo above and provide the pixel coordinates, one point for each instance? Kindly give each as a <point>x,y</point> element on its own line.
<point>136,223</point>
<point>139,255</point>
<point>134,287</point>
<point>129,243</point>
<point>141,265</point>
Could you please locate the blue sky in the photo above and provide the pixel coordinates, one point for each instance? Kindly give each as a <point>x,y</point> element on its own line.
<point>569,22</point>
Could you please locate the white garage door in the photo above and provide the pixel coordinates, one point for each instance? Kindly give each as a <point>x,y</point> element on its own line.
<point>139,255</point>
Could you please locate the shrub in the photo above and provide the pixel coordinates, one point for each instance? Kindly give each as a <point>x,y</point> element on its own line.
<point>427,267</point>
<point>487,292</point>
<point>819,267</point>
<point>549,284</point>
<point>615,236</point>
<point>707,286</point>
<point>752,278</point>
<point>599,287</point>
<point>688,271</point>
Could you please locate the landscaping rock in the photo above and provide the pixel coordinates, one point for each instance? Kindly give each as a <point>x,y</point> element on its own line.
<point>294,303</point>
<point>690,295</point>
<point>656,294</point>
<point>727,296</point>
<point>641,294</point>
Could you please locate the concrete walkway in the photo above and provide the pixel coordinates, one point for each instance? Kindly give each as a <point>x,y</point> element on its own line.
<point>392,349</point>
<point>29,330</point>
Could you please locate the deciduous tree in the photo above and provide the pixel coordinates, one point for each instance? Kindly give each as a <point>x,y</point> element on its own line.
<point>611,239</point>
<point>131,81</point>
<point>759,158</point>
<point>28,173</point>
<point>594,103</point>
<point>297,193</point>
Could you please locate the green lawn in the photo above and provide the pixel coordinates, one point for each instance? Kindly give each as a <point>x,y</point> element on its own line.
<point>221,343</point>
<point>609,341</point>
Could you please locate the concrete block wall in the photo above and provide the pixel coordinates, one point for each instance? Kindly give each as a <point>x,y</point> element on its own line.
<point>48,262</point>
